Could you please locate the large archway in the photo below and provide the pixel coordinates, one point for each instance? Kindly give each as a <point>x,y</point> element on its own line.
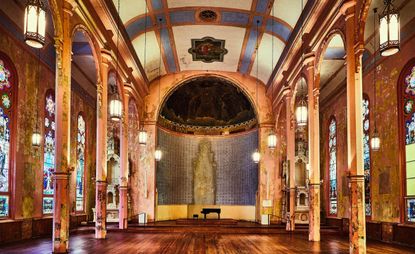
<point>207,131</point>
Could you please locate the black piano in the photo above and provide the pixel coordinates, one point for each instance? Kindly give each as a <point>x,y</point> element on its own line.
<point>210,210</point>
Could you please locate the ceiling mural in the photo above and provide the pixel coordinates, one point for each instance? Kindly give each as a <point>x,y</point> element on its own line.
<point>208,50</point>
<point>172,24</point>
<point>207,103</point>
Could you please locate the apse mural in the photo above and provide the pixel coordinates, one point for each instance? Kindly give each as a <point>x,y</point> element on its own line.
<point>5,121</point>
<point>80,170</point>
<point>366,154</point>
<point>208,50</point>
<point>333,167</point>
<point>409,125</point>
<point>206,104</point>
<point>49,152</point>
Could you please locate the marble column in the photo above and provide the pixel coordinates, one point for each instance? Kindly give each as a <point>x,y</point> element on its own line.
<point>101,149</point>
<point>290,157</point>
<point>357,231</point>
<point>123,206</point>
<point>313,149</point>
<point>62,143</point>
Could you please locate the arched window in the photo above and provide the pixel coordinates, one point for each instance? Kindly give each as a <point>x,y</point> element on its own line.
<point>7,107</point>
<point>49,152</point>
<point>366,153</point>
<point>332,167</point>
<point>80,164</point>
<point>406,88</point>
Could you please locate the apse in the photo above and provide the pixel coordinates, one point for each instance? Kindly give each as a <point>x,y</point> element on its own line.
<point>207,133</point>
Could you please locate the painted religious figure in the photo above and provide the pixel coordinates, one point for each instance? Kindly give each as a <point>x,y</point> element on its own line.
<point>208,50</point>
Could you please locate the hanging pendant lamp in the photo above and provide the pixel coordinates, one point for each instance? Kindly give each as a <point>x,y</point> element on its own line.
<point>115,105</point>
<point>256,156</point>
<point>272,140</point>
<point>389,30</point>
<point>34,26</point>
<point>115,108</point>
<point>36,136</point>
<point>375,140</point>
<point>158,153</point>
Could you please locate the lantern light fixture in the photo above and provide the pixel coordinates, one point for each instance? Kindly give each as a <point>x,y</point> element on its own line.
<point>142,137</point>
<point>256,156</point>
<point>36,137</point>
<point>35,23</point>
<point>301,113</point>
<point>375,141</point>
<point>272,140</point>
<point>389,30</point>
<point>115,108</point>
<point>158,154</point>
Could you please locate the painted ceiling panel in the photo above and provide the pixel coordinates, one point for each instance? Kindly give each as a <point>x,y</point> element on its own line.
<point>130,8</point>
<point>152,54</point>
<point>238,4</point>
<point>265,60</point>
<point>233,37</point>
<point>288,10</point>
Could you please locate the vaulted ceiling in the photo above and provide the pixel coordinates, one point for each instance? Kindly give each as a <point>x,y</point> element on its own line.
<point>173,24</point>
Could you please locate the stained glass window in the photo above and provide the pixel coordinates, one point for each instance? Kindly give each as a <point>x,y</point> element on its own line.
<point>333,167</point>
<point>366,153</point>
<point>408,113</point>
<point>49,152</point>
<point>6,107</point>
<point>80,168</point>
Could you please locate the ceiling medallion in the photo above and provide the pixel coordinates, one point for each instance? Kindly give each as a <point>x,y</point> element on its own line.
<point>208,50</point>
<point>208,15</point>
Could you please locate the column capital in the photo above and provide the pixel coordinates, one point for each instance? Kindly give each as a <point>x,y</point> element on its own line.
<point>69,6</point>
<point>347,8</point>
<point>287,91</point>
<point>106,56</point>
<point>309,60</point>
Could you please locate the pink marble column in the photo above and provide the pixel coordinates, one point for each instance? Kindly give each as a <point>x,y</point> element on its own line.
<point>101,164</point>
<point>290,157</point>
<point>62,144</point>
<point>313,149</point>
<point>357,231</point>
<point>123,206</point>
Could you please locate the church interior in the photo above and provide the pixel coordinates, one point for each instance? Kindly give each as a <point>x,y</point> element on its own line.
<point>215,126</point>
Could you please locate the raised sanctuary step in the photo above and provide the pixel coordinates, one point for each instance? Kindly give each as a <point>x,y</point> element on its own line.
<point>206,222</point>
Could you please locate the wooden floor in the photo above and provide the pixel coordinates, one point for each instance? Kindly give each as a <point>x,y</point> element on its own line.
<point>124,243</point>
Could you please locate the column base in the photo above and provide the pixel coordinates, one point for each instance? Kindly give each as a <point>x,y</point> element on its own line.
<point>357,230</point>
<point>123,211</point>
<point>60,237</point>
<point>101,210</point>
<point>314,214</point>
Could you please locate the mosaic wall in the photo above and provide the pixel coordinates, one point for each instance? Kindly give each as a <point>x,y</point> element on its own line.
<point>193,164</point>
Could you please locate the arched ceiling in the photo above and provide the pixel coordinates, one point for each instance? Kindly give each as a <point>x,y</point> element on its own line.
<point>232,32</point>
